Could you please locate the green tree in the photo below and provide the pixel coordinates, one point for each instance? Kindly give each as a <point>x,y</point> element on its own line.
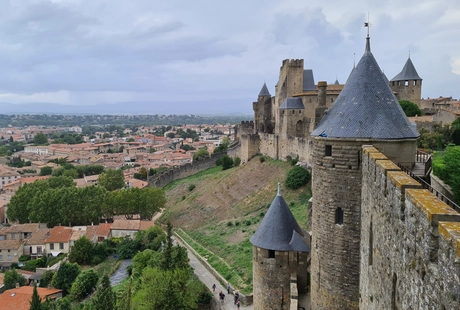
<point>82,251</point>
<point>112,179</point>
<point>225,161</point>
<point>104,298</point>
<point>171,135</point>
<point>11,278</point>
<point>46,170</point>
<point>19,207</point>
<point>143,173</point>
<point>40,139</point>
<point>297,177</point>
<point>201,153</point>
<point>65,276</point>
<point>47,277</point>
<point>106,135</point>
<point>36,301</point>
<point>410,108</point>
<point>84,284</point>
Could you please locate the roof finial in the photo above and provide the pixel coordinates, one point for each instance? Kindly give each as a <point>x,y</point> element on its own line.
<point>368,25</point>
<point>409,54</point>
<point>279,189</point>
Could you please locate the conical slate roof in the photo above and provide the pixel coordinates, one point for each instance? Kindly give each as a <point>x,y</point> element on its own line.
<point>407,73</point>
<point>279,230</point>
<point>264,91</point>
<point>308,80</point>
<point>366,108</point>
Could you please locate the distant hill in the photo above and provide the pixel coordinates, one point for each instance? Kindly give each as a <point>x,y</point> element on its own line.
<point>194,107</point>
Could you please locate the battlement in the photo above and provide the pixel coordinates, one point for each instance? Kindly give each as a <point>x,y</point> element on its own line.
<point>292,63</point>
<point>409,239</point>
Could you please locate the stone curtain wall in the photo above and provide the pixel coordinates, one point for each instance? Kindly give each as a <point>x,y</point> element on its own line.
<point>410,242</point>
<point>180,172</point>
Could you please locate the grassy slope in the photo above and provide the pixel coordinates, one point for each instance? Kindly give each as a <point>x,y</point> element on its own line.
<point>225,208</point>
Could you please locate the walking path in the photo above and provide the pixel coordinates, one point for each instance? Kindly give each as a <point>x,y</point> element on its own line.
<point>120,274</point>
<point>208,279</point>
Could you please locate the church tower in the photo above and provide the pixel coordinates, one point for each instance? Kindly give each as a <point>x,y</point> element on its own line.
<point>365,112</point>
<point>279,256</point>
<point>407,85</point>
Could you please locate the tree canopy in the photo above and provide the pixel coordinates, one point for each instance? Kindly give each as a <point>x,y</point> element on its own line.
<point>65,276</point>
<point>112,179</point>
<point>11,278</point>
<point>410,108</point>
<point>40,139</point>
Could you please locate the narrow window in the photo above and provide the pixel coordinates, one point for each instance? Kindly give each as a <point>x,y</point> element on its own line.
<point>51,246</point>
<point>415,82</point>
<point>339,216</point>
<point>61,246</point>
<point>328,150</point>
<point>406,83</point>
<point>332,99</point>
<point>271,254</point>
<point>393,292</point>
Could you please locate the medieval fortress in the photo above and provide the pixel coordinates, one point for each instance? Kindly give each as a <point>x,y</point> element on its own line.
<point>377,239</point>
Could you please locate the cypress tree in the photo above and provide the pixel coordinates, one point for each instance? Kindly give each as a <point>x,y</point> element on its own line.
<point>36,302</point>
<point>104,298</point>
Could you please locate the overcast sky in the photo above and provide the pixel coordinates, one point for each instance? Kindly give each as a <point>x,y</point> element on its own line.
<point>84,52</point>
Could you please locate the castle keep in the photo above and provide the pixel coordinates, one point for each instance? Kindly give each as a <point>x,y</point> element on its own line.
<point>378,240</point>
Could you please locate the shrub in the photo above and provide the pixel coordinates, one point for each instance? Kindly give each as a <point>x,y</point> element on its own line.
<point>236,161</point>
<point>229,223</point>
<point>297,177</point>
<point>261,214</point>
<point>237,223</point>
<point>84,284</point>
<point>262,159</point>
<point>191,187</point>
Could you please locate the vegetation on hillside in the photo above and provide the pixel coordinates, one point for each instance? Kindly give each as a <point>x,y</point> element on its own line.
<point>224,210</point>
<point>446,166</point>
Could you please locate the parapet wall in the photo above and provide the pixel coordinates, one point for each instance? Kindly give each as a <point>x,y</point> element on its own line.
<point>180,172</point>
<point>410,241</point>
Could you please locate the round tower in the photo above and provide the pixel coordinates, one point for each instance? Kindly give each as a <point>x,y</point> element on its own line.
<point>279,258</point>
<point>407,85</point>
<point>365,112</point>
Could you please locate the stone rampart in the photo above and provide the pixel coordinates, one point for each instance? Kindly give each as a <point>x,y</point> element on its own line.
<point>410,241</point>
<point>180,172</point>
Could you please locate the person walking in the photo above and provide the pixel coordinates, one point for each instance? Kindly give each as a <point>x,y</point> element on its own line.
<point>214,288</point>
<point>228,288</point>
<point>238,304</point>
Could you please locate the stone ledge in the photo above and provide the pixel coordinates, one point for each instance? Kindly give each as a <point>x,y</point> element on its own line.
<point>387,165</point>
<point>377,156</point>
<point>451,231</point>
<point>434,208</point>
<point>402,180</point>
<point>369,149</point>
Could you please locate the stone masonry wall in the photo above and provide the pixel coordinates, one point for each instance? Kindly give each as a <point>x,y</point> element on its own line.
<point>180,172</point>
<point>410,242</point>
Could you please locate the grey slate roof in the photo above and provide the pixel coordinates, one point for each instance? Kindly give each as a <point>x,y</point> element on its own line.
<point>264,91</point>
<point>366,108</point>
<point>292,103</point>
<point>279,230</point>
<point>336,82</point>
<point>408,72</point>
<point>308,80</point>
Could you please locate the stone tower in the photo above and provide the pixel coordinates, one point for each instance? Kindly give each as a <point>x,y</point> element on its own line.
<point>407,85</point>
<point>279,259</point>
<point>263,111</point>
<point>290,82</point>
<point>292,118</point>
<point>365,112</point>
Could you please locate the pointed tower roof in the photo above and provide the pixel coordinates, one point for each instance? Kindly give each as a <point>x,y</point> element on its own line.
<point>279,230</point>
<point>336,82</point>
<point>308,80</point>
<point>366,108</point>
<point>407,73</point>
<point>264,91</point>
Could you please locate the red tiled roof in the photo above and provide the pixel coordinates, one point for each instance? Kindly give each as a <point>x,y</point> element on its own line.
<point>144,225</point>
<point>38,236</point>
<point>123,224</point>
<point>19,298</point>
<point>59,234</point>
<point>10,244</point>
<point>103,230</point>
